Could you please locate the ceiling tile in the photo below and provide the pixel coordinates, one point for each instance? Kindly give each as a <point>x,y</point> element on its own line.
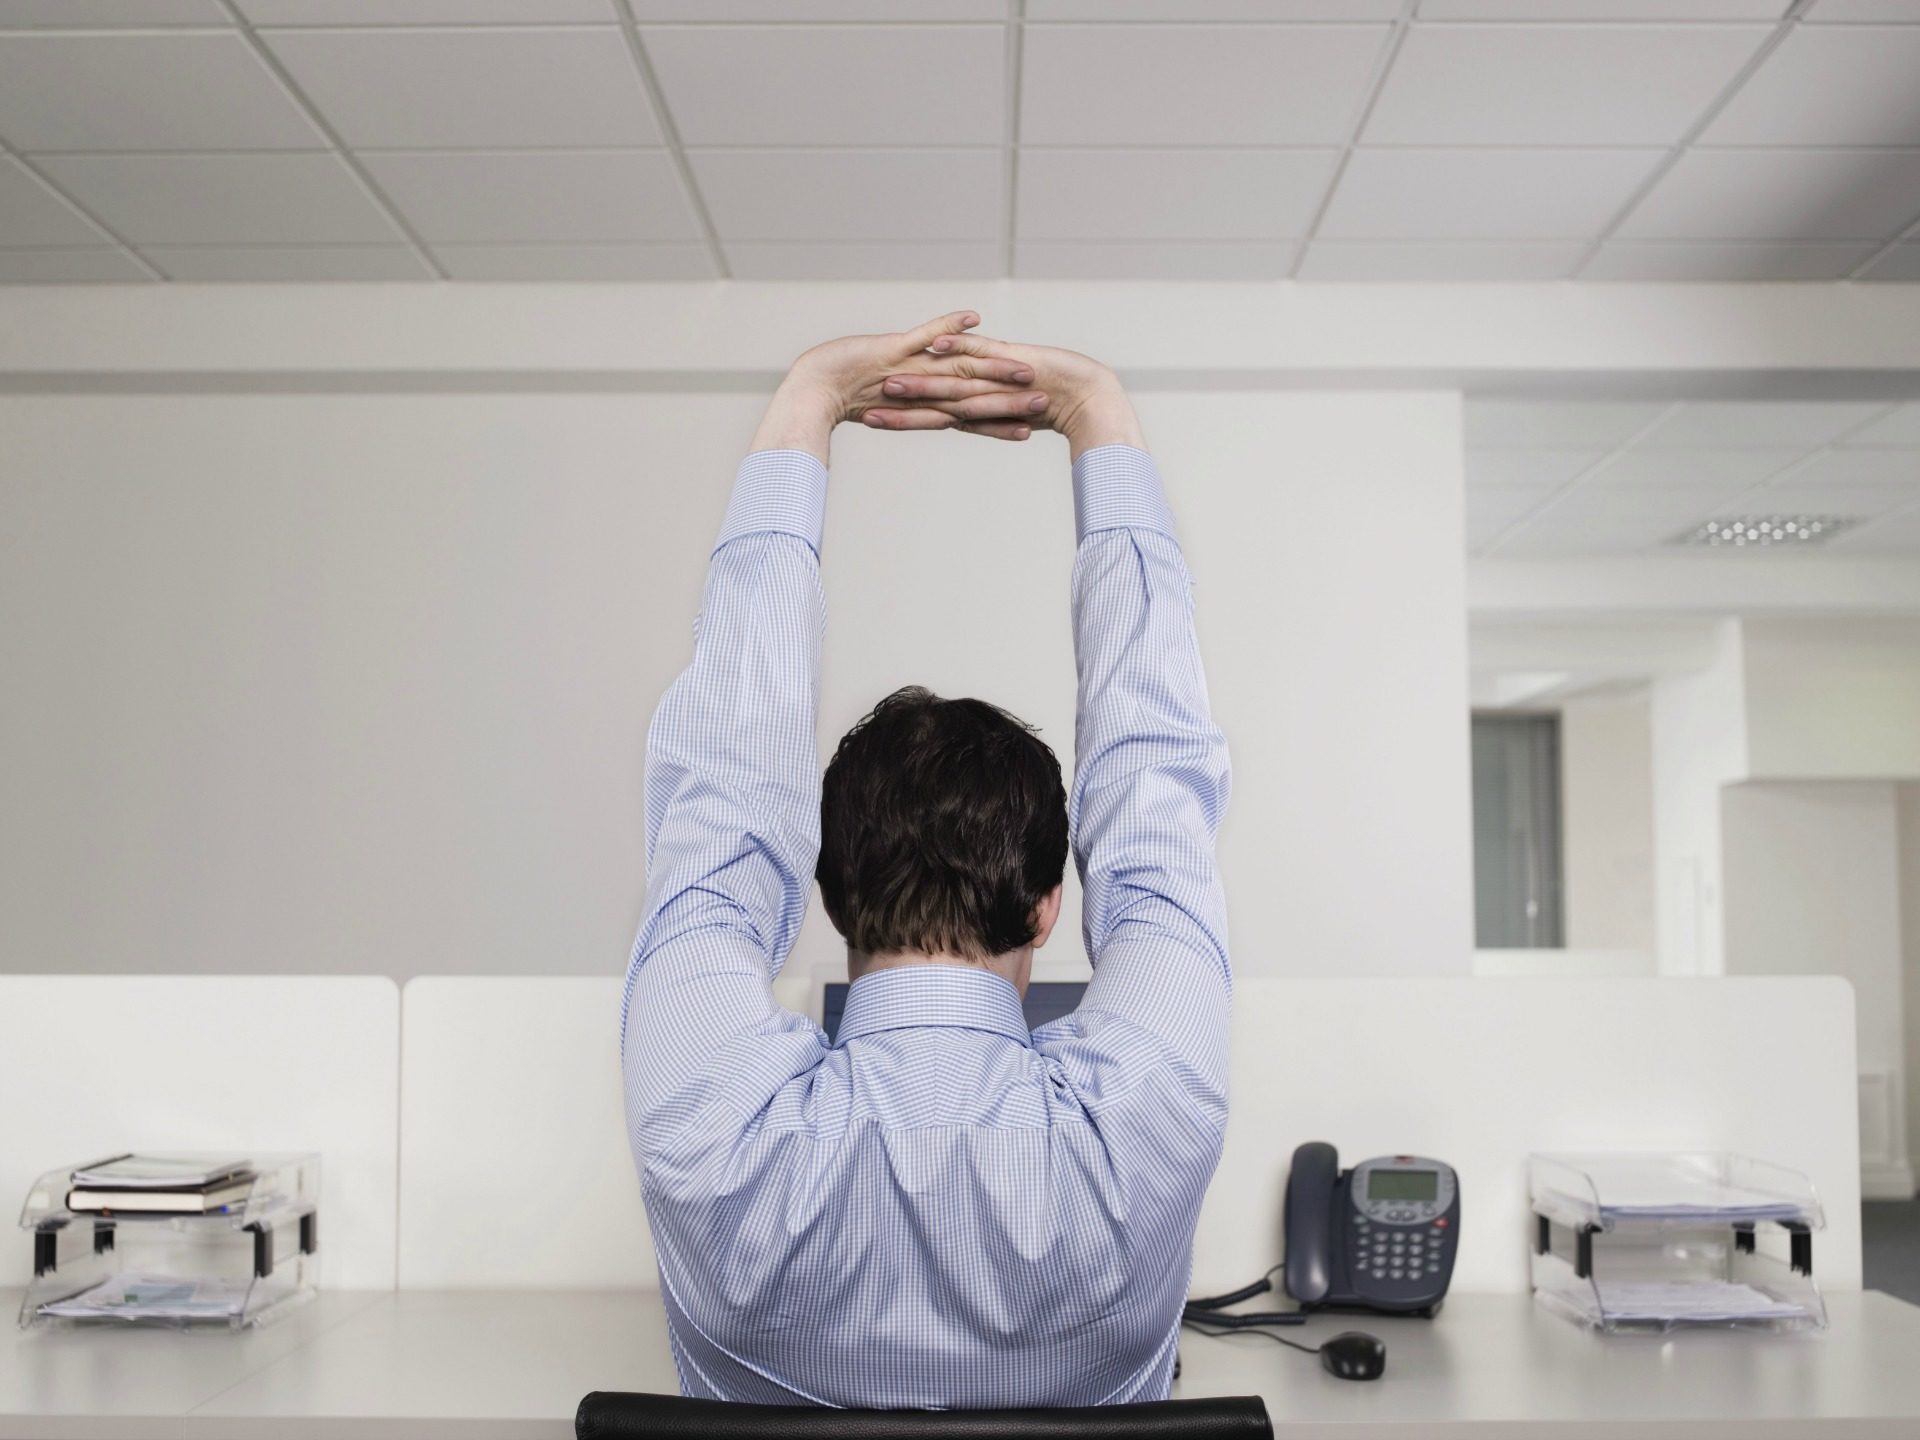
<point>1829,85</point>
<point>1861,467</point>
<point>1898,427</point>
<point>425,12</point>
<point>538,196</point>
<point>1597,524</point>
<point>1854,11</point>
<point>834,85</point>
<point>1441,260</point>
<point>1603,10</point>
<point>1482,194</point>
<point>1780,195</point>
<point>947,260</point>
<point>35,267</point>
<point>1556,423</point>
<point>1170,194</point>
<point>1194,85</point>
<point>1555,85</point>
<point>103,14</point>
<point>853,194</point>
<point>1213,9</point>
<point>1492,508</point>
<point>31,214</point>
<point>1724,260</point>
<point>519,89</point>
<point>1550,538</point>
<point>1802,424</point>
<point>223,199</point>
<point>1690,469</point>
<point>843,10</point>
<point>1901,262</point>
<point>1896,534</point>
<point>1154,259</point>
<point>1797,498</point>
<point>1628,507</point>
<point>194,263</point>
<point>150,91</point>
<point>1537,470</point>
<point>684,261</point>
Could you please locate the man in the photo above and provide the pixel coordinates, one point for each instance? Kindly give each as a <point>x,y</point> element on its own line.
<point>940,1209</point>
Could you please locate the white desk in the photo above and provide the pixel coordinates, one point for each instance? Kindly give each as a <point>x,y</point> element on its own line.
<point>486,1365</point>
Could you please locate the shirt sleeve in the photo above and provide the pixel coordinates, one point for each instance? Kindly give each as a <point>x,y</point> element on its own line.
<point>1150,786</point>
<point>732,816</point>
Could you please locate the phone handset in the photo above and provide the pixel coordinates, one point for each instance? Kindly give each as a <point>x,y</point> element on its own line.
<point>1309,1222</point>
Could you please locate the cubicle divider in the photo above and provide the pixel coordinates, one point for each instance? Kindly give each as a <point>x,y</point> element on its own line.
<point>472,1134</point>
<point>94,1064</point>
<point>516,1171</point>
<point>1481,1072</point>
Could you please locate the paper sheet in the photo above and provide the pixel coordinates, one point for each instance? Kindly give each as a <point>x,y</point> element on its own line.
<point>153,1297</point>
<point>1697,1300</point>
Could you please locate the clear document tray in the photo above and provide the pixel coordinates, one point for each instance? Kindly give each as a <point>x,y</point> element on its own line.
<point>245,1263</point>
<point>1626,1242</point>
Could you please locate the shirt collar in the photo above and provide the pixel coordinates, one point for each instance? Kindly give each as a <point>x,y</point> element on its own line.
<point>909,997</point>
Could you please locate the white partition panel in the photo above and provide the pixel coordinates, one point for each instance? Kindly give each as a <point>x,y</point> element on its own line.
<point>515,1168</point>
<point>514,1163</point>
<point>95,1064</point>
<point>1480,1072</point>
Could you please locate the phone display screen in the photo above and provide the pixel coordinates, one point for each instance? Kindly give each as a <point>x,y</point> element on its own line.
<point>1403,1184</point>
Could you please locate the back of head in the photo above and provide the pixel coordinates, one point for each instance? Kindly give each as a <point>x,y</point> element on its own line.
<point>943,825</point>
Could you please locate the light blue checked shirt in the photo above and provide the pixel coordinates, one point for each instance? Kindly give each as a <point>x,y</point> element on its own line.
<point>941,1209</point>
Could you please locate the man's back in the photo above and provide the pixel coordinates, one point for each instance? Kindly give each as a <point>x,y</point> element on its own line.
<point>937,1215</point>
<point>940,1209</point>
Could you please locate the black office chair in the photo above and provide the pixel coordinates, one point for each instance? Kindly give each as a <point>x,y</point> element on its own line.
<point>610,1415</point>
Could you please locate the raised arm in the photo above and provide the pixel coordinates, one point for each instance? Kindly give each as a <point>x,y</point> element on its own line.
<point>1150,774</point>
<point>732,767</point>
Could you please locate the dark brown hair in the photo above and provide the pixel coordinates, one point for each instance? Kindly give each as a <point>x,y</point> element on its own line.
<point>943,824</point>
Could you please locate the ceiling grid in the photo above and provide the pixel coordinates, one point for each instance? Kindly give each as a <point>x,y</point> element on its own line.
<point>1418,140</point>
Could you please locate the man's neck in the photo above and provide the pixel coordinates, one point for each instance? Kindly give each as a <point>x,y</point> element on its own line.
<point>1014,967</point>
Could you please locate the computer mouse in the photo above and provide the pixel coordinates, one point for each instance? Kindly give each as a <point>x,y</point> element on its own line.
<point>1353,1355</point>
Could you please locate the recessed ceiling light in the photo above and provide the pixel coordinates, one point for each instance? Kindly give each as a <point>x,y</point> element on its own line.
<point>1752,531</point>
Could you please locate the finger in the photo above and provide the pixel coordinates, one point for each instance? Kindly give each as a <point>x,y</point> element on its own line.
<point>882,418</point>
<point>1001,405</point>
<point>938,387</point>
<point>998,429</point>
<point>957,342</point>
<point>1010,372</point>
<point>922,336</point>
<point>995,405</point>
<point>885,418</point>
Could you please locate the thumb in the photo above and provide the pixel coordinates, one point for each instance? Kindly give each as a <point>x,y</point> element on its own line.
<point>922,337</point>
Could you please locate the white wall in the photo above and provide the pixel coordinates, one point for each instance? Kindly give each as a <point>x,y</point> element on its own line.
<point>1833,699</point>
<point>1812,886</point>
<point>318,682</point>
<point>1606,781</point>
<point>1699,746</point>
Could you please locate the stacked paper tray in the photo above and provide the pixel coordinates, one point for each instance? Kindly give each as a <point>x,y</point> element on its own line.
<point>1662,1241</point>
<point>102,1257</point>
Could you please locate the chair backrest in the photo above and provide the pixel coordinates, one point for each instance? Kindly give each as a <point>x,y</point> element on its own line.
<point>610,1415</point>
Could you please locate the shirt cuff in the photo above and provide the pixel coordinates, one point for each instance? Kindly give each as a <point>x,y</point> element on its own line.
<point>777,490</point>
<point>1116,487</point>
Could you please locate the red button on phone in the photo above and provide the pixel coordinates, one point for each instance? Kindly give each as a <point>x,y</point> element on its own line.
<point>1441,1223</point>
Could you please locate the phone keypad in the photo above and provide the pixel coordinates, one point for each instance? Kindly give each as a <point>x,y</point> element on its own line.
<point>1405,1253</point>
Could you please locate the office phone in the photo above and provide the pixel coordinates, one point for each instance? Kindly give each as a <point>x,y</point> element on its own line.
<point>1381,1236</point>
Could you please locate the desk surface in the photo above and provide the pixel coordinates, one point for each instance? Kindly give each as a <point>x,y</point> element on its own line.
<point>422,1365</point>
